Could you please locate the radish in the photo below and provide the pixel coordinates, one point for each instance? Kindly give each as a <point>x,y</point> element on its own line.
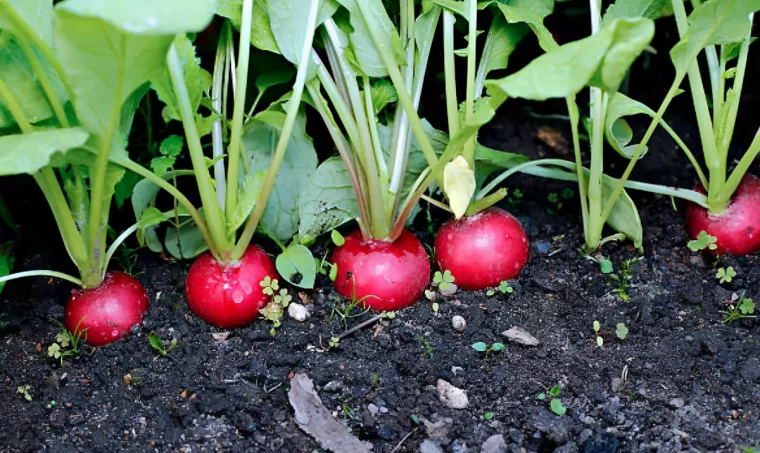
<point>737,229</point>
<point>108,312</point>
<point>483,249</point>
<point>382,275</point>
<point>230,295</point>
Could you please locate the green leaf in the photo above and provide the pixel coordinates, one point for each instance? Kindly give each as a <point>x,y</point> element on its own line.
<point>541,396</point>
<point>606,266</point>
<point>281,216</point>
<point>525,14</point>
<point>185,242</point>
<point>702,242</point>
<point>156,342</point>
<point>337,238</point>
<point>555,390</point>
<point>362,45</point>
<point>597,326</point>
<point>37,14</point>
<point>746,306</point>
<point>458,185</point>
<point>28,153</point>
<point>248,192</point>
<point>488,415</point>
<point>479,346</point>
<point>109,49</point>
<point>383,93</point>
<point>161,164</point>
<point>501,41</point>
<point>601,60</point>
<point>496,347</point>
<point>328,199</point>
<point>713,22</point>
<point>288,20</point>
<point>172,146</point>
<point>599,341</point>
<point>296,265</point>
<point>197,81</point>
<point>651,9</point>
<point>6,263</point>
<point>621,331</point>
<point>151,217</point>
<point>557,407</point>
<point>17,73</point>
<point>269,79</point>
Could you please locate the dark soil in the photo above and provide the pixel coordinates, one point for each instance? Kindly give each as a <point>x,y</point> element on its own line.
<point>693,382</point>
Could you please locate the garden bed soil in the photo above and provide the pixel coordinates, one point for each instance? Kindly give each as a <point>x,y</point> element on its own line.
<point>693,382</point>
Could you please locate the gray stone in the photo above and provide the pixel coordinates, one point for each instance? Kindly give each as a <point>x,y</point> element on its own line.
<point>430,446</point>
<point>677,403</point>
<point>333,386</point>
<point>750,371</point>
<point>451,396</point>
<point>556,429</point>
<point>373,409</point>
<point>494,444</point>
<point>459,446</point>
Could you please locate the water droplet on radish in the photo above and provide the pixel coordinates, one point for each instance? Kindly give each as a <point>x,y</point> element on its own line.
<point>237,296</point>
<point>246,287</point>
<point>114,333</point>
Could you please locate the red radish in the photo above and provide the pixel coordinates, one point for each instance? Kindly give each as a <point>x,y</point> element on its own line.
<point>385,276</point>
<point>738,228</point>
<point>229,295</point>
<point>109,311</point>
<point>483,249</point>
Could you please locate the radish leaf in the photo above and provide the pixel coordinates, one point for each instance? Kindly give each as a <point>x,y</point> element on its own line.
<point>296,265</point>
<point>28,153</point>
<point>328,199</point>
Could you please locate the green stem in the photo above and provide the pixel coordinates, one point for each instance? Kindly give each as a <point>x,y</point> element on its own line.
<point>42,273</point>
<point>403,94</point>
<point>719,102</point>
<point>486,202</point>
<point>220,243</point>
<point>741,169</point>
<point>715,166</point>
<point>726,134</point>
<point>594,224</point>
<point>238,109</point>
<point>469,101</point>
<point>282,144</point>
<point>378,149</point>
<point>452,111</point>
<point>217,130</point>
<point>97,221</point>
<point>115,245</point>
<point>574,116</point>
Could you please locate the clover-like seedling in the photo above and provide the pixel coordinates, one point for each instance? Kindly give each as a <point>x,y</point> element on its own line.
<point>703,241</point>
<point>25,390</point>
<point>743,308</point>
<point>66,344</point>
<point>270,285</point>
<point>283,298</point>
<point>334,342</point>
<point>503,288</point>
<point>445,282</point>
<point>725,275</point>
<point>482,347</point>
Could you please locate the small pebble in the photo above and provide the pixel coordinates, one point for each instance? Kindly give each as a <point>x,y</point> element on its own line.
<point>298,312</point>
<point>451,396</point>
<point>458,323</point>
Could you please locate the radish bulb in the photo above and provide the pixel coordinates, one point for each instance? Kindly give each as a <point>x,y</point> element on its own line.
<point>483,249</point>
<point>738,228</point>
<point>383,275</point>
<point>229,295</point>
<point>107,313</point>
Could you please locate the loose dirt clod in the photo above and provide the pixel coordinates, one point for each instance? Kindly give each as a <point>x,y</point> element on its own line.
<point>314,418</point>
<point>451,396</point>
<point>521,336</point>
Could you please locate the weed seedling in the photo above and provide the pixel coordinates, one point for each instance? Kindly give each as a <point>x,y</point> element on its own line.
<point>555,404</point>
<point>444,282</point>
<point>429,349</point>
<point>158,344</point>
<point>482,347</point>
<point>599,339</point>
<point>487,416</point>
<point>621,331</point>
<point>51,404</point>
<point>623,278</point>
<point>742,308</point>
<point>25,390</point>
<point>702,242</point>
<point>333,343</point>
<point>66,344</point>
<point>725,274</point>
<point>274,310</point>
<point>503,288</point>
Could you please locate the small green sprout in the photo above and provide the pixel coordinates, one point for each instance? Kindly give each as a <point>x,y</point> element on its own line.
<point>503,288</point>
<point>25,390</point>
<point>429,349</point>
<point>743,308</point>
<point>334,342</point>
<point>623,278</point>
<point>51,404</point>
<point>703,241</point>
<point>487,416</point>
<point>274,310</point>
<point>270,285</point>
<point>415,419</point>
<point>725,275</point>
<point>557,407</point>
<point>435,307</point>
<point>599,339</point>
<point>605,266</point>
<point>482,347</point>
<point>445,282</point>
<point>158,344</point>
<point>66,344</point>
<point>621,331</point>
<point>555,404</point>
